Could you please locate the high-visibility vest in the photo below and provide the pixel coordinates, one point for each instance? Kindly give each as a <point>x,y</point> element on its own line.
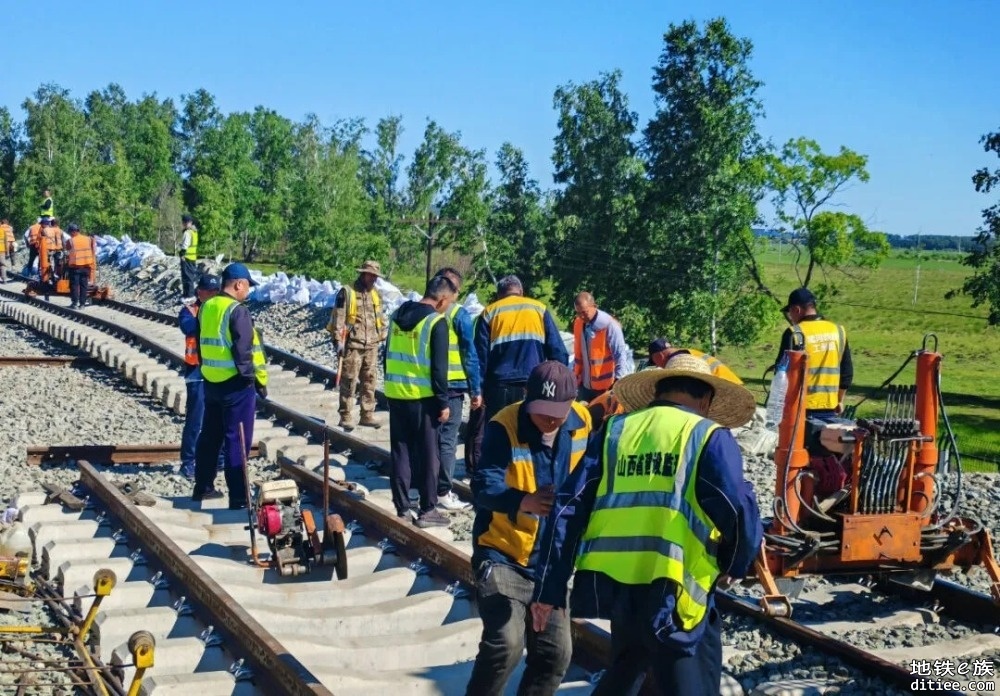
<point>604,406</point>
<point>191,253</point>
<point>8,234</point>
<point>824,347</point>
<point>600,360</point>
<point>646,522</point>
<point>82,251</point>
<point>34,234</point>
<point>351,307</point>
<point>457,379</point>
<point>516,539</point>
<point>718,368</point>
<point>216,342</point>
<point>408,360</point>
<point>53,238</point>
<point>191,342</point>
<point>50,210</point>
<point>515,318</point>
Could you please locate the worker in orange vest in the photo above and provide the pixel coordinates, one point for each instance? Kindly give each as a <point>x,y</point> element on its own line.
<point>33,238</point>
<point>9,248</point>
<point>194,408</point>
<point>660,351</point>
<point>599,349</point>
<point>81,262</point>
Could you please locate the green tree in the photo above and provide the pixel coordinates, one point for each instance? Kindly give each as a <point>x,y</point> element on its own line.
<point>271,214</point>
<point>381,170</point>
<point>596,210</point>
<point>804,179</point>
<point>984,283</point>
<point>514,240</point>
<point>9,147</point>
<point>703,157</point>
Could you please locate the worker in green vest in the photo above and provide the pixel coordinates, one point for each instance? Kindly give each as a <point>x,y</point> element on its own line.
<point>661,514</point>
<point>416,387</point>
<point>47,208</point>
<point>233,367</point>
<point>188,251</point>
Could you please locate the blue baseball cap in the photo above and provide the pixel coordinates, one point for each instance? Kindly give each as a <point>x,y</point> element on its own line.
<point>237,271</point>
<point>209,282</point>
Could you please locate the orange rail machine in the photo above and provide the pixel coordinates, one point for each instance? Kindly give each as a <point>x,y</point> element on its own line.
<point>53,279</point>
<point>888,512</point>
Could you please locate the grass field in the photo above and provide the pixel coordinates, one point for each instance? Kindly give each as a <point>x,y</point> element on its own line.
<point>884,325</point>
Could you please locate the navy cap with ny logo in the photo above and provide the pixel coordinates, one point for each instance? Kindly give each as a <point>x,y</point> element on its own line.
<point>551,390</point>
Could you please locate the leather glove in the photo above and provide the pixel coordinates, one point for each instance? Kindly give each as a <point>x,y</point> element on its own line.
<point>261,390</point>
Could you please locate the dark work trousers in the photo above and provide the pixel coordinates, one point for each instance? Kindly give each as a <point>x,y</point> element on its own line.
<point>194,412</point>
<point>189,277</point>
<point>497,396</point>
<point>79,279</point>
<point>636,649</point>
<point>226,406</point>
<point>503,599</point>
<point>32,255</point>
<point>413,441</point>
<point>474,438</point>
<point>448,443</point>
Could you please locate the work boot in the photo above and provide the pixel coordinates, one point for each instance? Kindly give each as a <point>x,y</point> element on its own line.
<point>346,425</point>
<point>368,420</point>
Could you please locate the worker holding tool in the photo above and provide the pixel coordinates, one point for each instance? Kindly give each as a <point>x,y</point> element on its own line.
<point>81,259</point>
<point>530,448</point>
<point>660,351</point>
<point>600,354</point>
<point>830,369</point>
<point>357,326</point>
<point>416,386</point>
<point>194,405</point>
<point>233,367</point>
<point>664,514</point>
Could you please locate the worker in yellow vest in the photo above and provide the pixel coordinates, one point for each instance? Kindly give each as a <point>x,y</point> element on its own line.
<point>9,248</point>
<point>660,351</point>
<point>357,327</point>
<point>416,387</point>
<point>661,514</point>
<point>233,367</point>
<point>530,449</point>
<point>194,404</point>
<point>188,251</point>
<point>47,209</point>
<point>830,369</point>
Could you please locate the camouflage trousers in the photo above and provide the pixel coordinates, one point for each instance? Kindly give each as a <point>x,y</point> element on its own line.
<point>360,368</point>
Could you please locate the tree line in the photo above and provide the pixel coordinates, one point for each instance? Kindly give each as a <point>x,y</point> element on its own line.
<point>656,219</point>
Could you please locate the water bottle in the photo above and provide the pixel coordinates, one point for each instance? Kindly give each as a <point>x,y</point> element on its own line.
<point>776,398</point>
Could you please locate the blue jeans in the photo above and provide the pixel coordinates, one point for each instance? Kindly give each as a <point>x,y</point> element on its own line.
<point>227,406</point>
<point>448,443</point>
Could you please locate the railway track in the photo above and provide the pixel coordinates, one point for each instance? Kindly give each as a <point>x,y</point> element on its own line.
<point>300,400</point>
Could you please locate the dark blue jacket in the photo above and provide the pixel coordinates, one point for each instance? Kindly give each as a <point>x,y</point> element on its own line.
<point>189,327</point>
<point>492,494</point>
<point>723,494</point>
<point>462,324</point>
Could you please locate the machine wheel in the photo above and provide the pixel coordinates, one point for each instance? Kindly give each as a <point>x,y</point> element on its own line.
<point>141,641</point>
<point>340,546</point>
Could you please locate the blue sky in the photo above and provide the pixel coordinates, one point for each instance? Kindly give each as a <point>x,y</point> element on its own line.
<point>912,84</point>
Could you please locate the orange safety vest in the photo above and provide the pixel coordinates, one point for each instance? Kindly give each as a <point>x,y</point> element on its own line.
<point>82,251</point>
<point>599,356</point>
<point>191,342</point>
<point>34,233</point>
<point>53,239</point>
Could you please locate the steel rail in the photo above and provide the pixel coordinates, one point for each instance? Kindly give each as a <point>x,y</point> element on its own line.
<point>48,361</point>
<point>109,454</point>
<point>279,671</point>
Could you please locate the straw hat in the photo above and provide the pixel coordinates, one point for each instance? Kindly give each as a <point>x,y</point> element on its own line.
<point>732,407</point>
<point>372,267</point>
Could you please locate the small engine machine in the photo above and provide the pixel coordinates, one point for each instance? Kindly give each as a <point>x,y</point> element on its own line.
<point>289,530</point>
<point>869,497</point>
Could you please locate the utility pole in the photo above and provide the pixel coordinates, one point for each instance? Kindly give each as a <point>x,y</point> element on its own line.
<point>435,226</point>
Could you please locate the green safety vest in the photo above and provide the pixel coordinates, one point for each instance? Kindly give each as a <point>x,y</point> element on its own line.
<point>191,253</point>
<point>216,342</point>
<point>457,379</point>
<point>408,360</point>
<point>646,522</point>
<point>51,212</point>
